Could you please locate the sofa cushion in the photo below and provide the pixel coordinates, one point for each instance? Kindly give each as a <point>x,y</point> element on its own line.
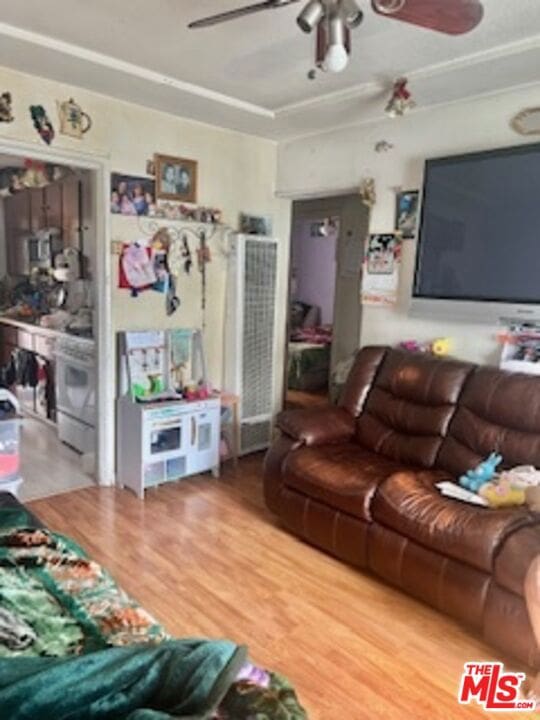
<point>497,411</point>
<point>344,477</point>
<point>366,365</point>
<point>410,407</point>
<point>411,505</point>
<point>515,558</point>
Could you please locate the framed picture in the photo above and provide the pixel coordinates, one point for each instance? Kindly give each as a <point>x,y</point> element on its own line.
<point>407,213</point>
<point>176,178</point>
<point>256,224</point>
<point>132,195</point>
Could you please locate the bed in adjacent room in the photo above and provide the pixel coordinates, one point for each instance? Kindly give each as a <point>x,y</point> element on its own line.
<point>75,645</point>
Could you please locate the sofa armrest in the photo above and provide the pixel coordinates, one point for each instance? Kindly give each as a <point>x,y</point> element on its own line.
<point>319,426</point>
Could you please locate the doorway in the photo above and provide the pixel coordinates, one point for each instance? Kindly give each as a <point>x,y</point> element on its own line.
<point>324,316</point>
<point>53,230</point>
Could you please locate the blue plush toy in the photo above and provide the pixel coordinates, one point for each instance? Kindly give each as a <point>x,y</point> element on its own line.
<point>482,474</point>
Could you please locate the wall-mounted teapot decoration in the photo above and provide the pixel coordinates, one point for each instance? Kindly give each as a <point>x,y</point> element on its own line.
<point>73,120</point>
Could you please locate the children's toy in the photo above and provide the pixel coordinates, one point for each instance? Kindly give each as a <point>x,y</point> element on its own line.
<point>482,474</point>
<point>502,493</point>
<point>439,347</point>
<point>522,476</point>
<point>450,489</point>
<point>10,421</point>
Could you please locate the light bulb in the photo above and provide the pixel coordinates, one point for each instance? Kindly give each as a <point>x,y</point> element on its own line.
<point>336,59</point>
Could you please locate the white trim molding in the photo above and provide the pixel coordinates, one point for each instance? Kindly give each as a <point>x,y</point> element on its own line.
<point>99,165</point>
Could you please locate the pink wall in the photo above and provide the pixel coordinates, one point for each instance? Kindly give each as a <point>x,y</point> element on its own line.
<point>314,267</point>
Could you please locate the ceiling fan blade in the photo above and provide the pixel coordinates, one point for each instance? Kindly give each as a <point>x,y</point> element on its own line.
<point>239,12</point>
<point>453,17</point>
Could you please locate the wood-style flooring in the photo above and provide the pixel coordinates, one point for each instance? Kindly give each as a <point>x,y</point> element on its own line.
<point>207,559</point>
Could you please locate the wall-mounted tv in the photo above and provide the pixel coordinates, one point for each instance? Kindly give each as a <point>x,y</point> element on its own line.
<point>478,255</point>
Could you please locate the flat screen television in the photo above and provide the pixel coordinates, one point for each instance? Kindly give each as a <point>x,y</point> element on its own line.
<point>478,255</point>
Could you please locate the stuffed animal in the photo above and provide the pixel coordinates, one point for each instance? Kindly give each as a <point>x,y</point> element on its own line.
<point>482,474</point>
<point>502,494</point>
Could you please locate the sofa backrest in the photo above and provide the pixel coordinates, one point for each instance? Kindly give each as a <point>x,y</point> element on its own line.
<point>497,411</point>
<point>410,405</point>
<point>366,365</point>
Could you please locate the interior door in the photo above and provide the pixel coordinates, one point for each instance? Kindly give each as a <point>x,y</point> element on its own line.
<point>354,226</point>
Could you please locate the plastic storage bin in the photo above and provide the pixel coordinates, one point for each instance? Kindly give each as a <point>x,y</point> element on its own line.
<point>10,457</point>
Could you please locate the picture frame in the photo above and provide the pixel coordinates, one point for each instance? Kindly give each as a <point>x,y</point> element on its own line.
<point>256,224</point>
<point>407,206</point>
<point>132,195</point>
<point>176,178</point>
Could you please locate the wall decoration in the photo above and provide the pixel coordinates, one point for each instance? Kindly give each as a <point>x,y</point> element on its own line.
<point>329,227</point>
<point>176,211</point>
<point>132,195</point>
<point>407,213</point>
<point>256,224</point>
<point>151,167</point>
<point>401,99</point>
<point>42,123</point>
<point>383,146</point>
<point>73,120</point>
<point>382,262</point>
<point>368,192</point>
<point>6,111</point>
<point>176,178</point>
<point>527,122</point>
<point>34,174</point>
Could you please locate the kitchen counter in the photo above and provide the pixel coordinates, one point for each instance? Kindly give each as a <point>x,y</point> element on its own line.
<point>31,327</point>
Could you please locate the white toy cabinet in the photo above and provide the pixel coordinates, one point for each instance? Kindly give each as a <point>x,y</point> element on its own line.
<point>163,442</point>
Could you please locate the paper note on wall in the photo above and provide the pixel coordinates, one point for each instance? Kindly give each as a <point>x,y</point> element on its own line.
<point>380,277</point>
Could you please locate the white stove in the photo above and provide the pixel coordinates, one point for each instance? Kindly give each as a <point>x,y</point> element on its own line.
<point>76,392</point>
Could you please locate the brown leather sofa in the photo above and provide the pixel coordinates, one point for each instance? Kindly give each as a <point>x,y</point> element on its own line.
<point>357,480</point>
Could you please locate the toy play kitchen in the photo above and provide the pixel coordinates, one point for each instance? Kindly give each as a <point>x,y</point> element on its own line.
<point>168,423</point>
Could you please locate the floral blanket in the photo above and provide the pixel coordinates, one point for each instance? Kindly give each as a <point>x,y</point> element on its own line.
<point>56,602</point>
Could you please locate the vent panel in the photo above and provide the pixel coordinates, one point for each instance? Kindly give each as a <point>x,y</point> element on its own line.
<point>255,436</point>
<point>258,340</point>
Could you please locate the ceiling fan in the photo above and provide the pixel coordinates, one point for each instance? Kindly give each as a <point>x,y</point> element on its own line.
<point>334,19</point>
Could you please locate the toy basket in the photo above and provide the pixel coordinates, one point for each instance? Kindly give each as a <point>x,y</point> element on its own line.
<point>10,457</point>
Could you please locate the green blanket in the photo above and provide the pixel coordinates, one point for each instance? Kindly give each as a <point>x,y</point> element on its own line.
<point>179,678</point>
<point>74,646</point>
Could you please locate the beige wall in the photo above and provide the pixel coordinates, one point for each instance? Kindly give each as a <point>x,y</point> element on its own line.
<point>236,173</point>
<point>337,160</point>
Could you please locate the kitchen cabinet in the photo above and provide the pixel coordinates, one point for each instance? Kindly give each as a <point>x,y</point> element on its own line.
<point>71,220</point>
<point>17,224</point>
<point>39,400</point>
<point>52,205</point>
<point>58,205</point>
<point>37,209</point>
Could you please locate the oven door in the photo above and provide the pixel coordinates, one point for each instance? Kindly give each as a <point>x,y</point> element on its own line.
<point>76,388</point>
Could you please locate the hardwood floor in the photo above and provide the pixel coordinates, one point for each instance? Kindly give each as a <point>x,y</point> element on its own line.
<point>207,559</point>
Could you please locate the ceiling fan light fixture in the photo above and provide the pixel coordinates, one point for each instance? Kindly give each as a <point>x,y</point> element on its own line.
<point>311,16</point>
<point>351,13</point>
<point>336,58</point>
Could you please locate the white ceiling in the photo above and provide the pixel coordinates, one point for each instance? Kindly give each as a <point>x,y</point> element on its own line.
<point>251,74</point>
